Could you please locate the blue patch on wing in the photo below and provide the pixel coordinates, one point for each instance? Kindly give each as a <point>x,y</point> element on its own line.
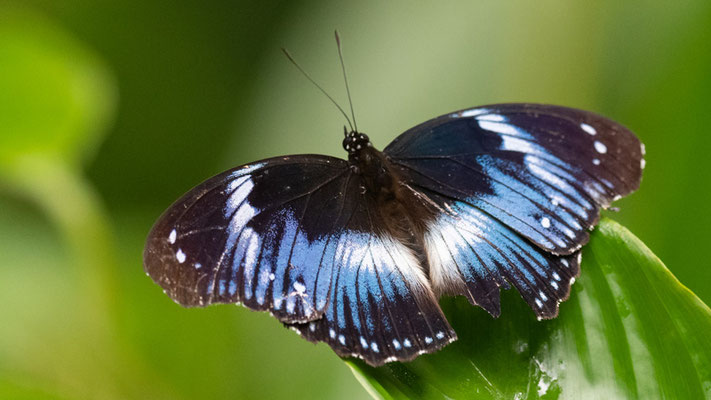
<point>381,308</point>
<point>473,254</point>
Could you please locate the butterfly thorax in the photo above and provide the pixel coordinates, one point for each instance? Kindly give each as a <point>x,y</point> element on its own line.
<point>404,214</point>
<point>371,166</point>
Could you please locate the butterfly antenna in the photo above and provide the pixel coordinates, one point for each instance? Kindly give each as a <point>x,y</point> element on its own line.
<point>286,53</point>
<point>345,77</point>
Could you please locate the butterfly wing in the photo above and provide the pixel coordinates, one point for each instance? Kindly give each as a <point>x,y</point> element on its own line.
<point>473,254</point>
<point>295,236</point>
<point>516,185</point>
<point>382,307</point>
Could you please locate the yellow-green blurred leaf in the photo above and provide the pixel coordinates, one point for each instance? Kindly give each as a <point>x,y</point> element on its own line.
<point>55,95</point>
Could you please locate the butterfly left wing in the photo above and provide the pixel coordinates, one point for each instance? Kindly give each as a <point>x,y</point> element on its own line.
<point>297,237</point>
<point>517,187</point>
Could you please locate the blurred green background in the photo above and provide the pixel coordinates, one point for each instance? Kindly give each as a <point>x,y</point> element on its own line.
<point>111,110</point>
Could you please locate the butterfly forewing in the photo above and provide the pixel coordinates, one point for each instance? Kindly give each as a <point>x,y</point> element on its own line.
<point>544,171</point>
<point>227,240</point>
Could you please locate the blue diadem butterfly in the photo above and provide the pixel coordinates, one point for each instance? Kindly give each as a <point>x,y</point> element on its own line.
<point>355,253</point>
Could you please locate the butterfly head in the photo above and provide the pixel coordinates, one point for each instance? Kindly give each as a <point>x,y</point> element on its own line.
<point>355,141</point>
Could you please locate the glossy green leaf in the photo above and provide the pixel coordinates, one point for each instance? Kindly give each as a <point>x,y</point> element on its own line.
<point>629,330</point>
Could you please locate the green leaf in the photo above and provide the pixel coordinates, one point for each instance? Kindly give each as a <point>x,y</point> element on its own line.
<point>56,96</point>
<point>629,330</point>
<point>56,103</point>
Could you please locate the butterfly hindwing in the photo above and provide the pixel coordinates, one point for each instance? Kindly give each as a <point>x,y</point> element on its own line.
<point>382,308</point>
<point>297,236</point>
<point>472,254</point>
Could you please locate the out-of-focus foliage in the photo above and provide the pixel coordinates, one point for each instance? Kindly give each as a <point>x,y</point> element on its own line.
<point>182,90</point>
<point>630,330</point>
<point>54,94</point>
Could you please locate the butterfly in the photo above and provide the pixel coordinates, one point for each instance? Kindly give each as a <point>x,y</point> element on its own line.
<point>355,253</point>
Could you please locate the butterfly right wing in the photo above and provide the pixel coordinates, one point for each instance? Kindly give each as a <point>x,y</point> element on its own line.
<point>296,236</point>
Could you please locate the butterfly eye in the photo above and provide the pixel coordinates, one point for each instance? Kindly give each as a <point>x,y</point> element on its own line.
<point>348,144</point>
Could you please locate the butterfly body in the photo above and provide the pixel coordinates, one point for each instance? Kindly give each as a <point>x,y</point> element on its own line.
<point>404,215</point>
<point>356,252</point>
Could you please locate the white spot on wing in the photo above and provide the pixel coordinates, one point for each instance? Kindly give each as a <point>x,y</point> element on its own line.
<point>250,258</point>
<point>491,117</point>
<point>498,127</point>
<point>180,256</point>
<point>471,113</point>
<point>396,344</point>
<point>299,287</point>
<point>374,346</point>
<point>407,343</point>
<point>440,335</point>
<point>332,333</point>
<point>539,304</point>
<point>587,128</point>
<point>342,339</point>
<point>239,180</point>
<point>600,147</point>
<point>596,161</point>
<point>363,342</point>
<point>642,163</point>
<point>428,339</point>
<point>545,222</point>
<point>248,169</point>
<point>173,236</point>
